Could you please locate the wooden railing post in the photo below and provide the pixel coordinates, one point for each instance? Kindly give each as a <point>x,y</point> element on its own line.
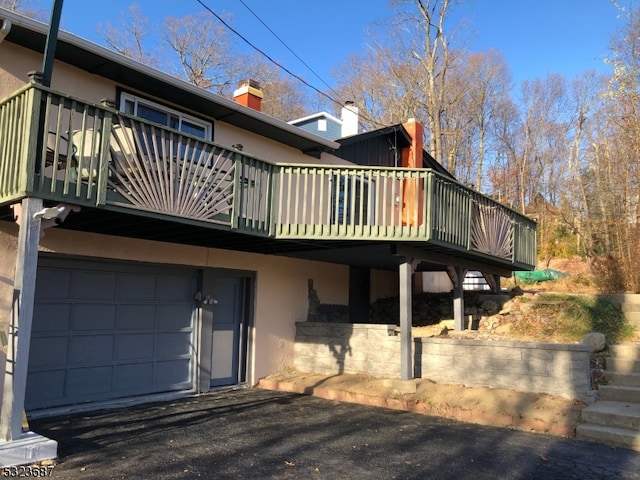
<point>273,175</point>
<point>103,161</point>
<point>236,209</point>
<point>430,206</point>
<point>33,139</point>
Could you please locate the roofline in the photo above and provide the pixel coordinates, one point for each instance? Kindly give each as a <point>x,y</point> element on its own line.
<point>315,115</point>
<point>20,21</point>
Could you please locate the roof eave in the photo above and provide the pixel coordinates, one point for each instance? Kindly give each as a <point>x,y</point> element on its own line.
<point>100,61</point>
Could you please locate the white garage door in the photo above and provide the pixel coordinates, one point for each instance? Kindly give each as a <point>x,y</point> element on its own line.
<point>103,331</point>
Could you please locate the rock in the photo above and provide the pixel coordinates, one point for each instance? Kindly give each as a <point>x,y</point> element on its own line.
<point>595,340</point>
<point>503,329</point>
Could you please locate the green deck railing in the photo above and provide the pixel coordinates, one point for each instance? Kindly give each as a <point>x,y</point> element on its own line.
<point>64,149</point>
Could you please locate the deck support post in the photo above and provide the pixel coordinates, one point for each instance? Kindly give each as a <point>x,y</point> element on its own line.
<point>458,299</point>
<point>19,447</point>
<point>406,319</point>
<point>19,338</point>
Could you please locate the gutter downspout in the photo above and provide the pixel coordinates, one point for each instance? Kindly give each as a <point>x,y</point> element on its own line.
<point>5,29</point>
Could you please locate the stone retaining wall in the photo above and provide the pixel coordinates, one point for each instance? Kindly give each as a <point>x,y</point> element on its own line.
<point>557,369</point>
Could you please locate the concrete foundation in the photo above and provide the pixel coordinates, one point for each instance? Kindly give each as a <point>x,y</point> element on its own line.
<point>30,448</point>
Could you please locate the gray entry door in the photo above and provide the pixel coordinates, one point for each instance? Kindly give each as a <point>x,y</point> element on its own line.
<point>109,330</point>
<point>228,313</point>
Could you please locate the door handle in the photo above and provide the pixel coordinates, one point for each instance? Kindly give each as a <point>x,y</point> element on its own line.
<point>209,300</point>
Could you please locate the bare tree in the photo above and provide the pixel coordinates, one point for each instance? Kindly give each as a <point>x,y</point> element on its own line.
<point>283,96</point>
<point>201,52</point>
<point>405,72</point>
<point>130,38</point>
<point>612,179</point>
<point>24,7</point>
<point>382,86</point>
<point>489,81</point>
<point>204,52</point>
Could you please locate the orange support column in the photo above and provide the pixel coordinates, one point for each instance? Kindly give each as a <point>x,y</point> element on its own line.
<point>412,191</point>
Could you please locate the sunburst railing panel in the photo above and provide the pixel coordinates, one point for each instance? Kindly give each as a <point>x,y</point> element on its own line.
<point>164,171</point>
<point>491,229</point>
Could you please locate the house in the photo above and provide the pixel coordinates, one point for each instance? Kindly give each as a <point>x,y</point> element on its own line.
<point>327,126</point>
<point>158,240</point>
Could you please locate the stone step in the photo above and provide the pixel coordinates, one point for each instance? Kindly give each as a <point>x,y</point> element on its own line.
<point>613,414</point>
<point>622,299</point>
<point>630,307</point>
<point>625,350</point>
<point>627,379</point>
<point>632,316</point>
<point>623,365</point>
<point>616,393</point>
<point>618,437</point>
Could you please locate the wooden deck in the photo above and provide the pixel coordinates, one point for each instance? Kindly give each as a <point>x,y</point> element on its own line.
<point>60,148</point>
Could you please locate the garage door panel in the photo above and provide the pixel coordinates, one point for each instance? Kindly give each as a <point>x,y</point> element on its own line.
<point>174,316</point>
<point>174,288</point>
<point>134,378</point>
<point>170,345</point>
<point>111,331</point>
<point>137,287</point>
<point>94,285</point>
<point>53,284</point>
<point>93,317</point>
<point>173,374</point>
<point>48,352</point>
<point>91,349</point>
<point>48,385</point>
<point>55,317</point>
<point>83,382</point>
<point>135,346</point>
<point>136,317</point>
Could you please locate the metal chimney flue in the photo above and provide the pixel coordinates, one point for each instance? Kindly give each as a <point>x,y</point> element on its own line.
<point>350,119</point>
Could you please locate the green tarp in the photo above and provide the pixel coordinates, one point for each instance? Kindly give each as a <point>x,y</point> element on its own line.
<point>540,275</point>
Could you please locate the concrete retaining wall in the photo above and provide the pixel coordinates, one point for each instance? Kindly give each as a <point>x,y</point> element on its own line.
<point>557,369</point>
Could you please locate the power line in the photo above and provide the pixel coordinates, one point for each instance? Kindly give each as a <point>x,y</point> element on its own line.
<point>259,50</point>
<point>285,45</point>
<point>248,42</point>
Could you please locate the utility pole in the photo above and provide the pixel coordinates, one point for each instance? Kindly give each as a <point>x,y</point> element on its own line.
<point>52,40</point>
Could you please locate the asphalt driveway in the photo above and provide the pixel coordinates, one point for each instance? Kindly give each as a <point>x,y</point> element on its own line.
<point>260,434</point>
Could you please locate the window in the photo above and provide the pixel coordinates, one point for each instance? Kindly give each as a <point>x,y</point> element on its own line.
<point>156,113</point>
<point>352,200</point>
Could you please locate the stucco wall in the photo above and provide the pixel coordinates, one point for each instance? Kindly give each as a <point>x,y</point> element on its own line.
<point>281,296</point>
<point>16,62</point>
<point>8,245</point>
<point>266,149</point>
<point>557,369</point>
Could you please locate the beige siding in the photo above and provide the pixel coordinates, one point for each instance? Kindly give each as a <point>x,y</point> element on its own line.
<point>281,290</point>
<point>16,62</point>
<point>266,149</point>
<point>8,246</point>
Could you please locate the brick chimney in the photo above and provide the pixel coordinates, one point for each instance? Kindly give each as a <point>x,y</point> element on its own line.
<point>249,94</point>
<point>413,194</point>
<point>412,155</point>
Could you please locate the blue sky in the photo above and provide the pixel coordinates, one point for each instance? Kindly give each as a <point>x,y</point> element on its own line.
<point>536,37</point>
